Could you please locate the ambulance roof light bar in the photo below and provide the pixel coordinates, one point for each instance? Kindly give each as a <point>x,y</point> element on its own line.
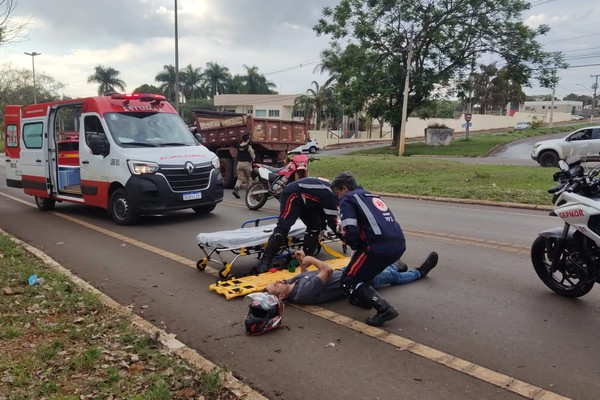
<point>154,98</point>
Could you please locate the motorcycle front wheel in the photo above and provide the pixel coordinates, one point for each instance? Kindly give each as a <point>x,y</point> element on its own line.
<point>256,196</point>
<point>567,279</point>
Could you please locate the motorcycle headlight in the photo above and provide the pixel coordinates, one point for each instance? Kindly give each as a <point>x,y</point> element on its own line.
<point>142,167</point>
<point>216,163</point>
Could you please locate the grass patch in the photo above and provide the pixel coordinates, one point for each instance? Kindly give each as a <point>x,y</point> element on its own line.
<point>442,178</point>
<point>478,145</point>
<point>61,342</point>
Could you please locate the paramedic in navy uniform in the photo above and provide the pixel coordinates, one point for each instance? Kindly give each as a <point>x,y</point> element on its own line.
<point>311,200</point>
<point>370,229</point>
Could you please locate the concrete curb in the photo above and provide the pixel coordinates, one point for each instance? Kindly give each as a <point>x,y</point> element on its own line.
<point>167,340</point>
<point>469,201</point>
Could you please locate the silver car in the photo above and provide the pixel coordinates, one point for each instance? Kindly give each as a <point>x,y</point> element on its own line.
<point>583,142</point>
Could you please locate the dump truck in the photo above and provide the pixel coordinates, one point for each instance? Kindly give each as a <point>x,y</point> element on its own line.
<point>271,139</point>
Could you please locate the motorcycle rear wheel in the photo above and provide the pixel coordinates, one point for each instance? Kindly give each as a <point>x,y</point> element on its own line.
<point>254,201</point>
<point>567,280</point>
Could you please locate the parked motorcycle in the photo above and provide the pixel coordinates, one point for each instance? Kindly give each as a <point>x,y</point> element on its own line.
<point>567,259</point>
<point>271,181</point>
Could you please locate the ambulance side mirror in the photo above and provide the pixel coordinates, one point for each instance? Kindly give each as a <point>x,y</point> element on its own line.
<point>98,144</point>
<point>198,137</point>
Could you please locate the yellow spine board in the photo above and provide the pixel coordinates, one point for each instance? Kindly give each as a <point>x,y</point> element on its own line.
<point>236,287</point>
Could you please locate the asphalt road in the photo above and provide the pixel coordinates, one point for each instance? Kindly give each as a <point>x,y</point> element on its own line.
<point>481,326</point>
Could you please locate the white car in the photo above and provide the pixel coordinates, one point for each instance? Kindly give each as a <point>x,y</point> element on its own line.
<point>312,146</point>
<point>521,126</point>
<point>583,142</point>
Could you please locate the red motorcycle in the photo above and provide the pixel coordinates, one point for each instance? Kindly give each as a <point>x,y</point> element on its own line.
<point>271,180</point>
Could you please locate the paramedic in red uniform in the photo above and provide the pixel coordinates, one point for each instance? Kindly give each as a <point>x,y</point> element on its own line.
<point>311,200</point>
<point>370,229</point>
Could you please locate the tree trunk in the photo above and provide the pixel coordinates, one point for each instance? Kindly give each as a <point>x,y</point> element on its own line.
<point>395,135</point>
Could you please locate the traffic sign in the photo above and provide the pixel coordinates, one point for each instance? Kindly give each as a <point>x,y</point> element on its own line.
<point>468,117</point>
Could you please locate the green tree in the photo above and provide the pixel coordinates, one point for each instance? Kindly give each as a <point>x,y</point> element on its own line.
<point>578,97</point>
<point>145,88</point>
<point>166,78</point>
<point>217,79</point>
<point>16,87</point>
<point>371,42</point>
<point>256,83</point>
<point>192,83</point>
<point>107,79</point>
<point>315,101</point>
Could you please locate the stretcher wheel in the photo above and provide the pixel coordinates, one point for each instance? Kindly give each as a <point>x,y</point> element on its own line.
<point>201,264</point>
<point>224,272</point>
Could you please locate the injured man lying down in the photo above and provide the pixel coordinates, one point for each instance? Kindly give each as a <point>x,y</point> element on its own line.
<point>323,285</point>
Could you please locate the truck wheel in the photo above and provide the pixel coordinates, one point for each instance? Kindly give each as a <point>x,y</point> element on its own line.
<point>227,172</point>
<point>204,209</point>
<point>119,207</point>
<point>548,159</point>
<point>255,201</point>
<point>312,150</point>
<point>44,203</point>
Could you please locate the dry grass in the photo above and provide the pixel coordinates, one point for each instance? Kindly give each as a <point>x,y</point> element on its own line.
<point>61,342</point>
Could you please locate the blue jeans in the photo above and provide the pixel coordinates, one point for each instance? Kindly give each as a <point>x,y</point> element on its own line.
<point>390,276</point>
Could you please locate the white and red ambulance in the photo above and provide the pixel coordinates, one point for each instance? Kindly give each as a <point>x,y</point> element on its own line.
<point>129,154</point>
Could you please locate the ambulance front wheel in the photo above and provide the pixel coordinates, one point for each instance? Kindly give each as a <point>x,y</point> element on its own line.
<point>44,203</point>
<point>119,207</point>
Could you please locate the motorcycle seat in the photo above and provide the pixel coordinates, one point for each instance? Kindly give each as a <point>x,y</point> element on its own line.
<point>273,169</point>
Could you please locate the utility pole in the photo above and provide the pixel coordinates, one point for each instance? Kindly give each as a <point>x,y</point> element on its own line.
<point>405,100</point>
<point>552,101</point>
<point>595,87</point>
<point>33,54</point>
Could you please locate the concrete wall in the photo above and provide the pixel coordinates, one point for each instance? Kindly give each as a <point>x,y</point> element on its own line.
<point>415,127</point>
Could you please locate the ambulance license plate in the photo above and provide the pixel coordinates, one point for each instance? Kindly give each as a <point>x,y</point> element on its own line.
<point>192,196</point>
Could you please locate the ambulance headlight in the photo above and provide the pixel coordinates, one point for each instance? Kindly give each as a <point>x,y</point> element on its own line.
<point>216,163</point>
<point>142,167</point>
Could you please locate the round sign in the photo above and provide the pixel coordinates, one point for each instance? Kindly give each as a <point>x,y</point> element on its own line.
<point>468,117</point>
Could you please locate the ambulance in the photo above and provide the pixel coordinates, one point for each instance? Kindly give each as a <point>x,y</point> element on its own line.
<point>130,154</point>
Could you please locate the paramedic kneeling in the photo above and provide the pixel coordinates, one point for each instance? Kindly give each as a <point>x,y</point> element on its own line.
<point>371,230</point>
<point>311,200</point>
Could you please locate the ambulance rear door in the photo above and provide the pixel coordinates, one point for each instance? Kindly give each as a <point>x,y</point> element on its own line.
<point>12,146</point>
<point>34,157</point>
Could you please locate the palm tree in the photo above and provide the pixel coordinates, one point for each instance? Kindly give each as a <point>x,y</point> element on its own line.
<point>166,78</point>
<point>216,79</point>
<point>316,100</point>
<point>107,78</point>
<point>191,80</point>
<point>256,83</point>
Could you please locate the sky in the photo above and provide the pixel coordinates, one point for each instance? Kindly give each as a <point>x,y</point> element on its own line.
<point>137,38</point>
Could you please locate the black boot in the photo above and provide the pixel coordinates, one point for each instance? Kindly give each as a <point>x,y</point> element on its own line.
<point>235,193</point>
<point>429,264</point>
<point>366,295</point>
<point>275,242</point>
<point>311,242</point>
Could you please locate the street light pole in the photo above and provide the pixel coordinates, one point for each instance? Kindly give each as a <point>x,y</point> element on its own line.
<point>405,101</point>
<point>176,62</point>
<point>33,54</point>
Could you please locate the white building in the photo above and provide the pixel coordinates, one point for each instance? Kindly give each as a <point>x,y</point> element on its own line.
<point>275,106</point>
<point>542,107</point>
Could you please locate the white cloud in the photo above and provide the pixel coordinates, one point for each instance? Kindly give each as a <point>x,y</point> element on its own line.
<point>136,37</point>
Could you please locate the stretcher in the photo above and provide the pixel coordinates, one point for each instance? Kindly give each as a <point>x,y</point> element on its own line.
<point>250,239</point>
<point>236,287</point>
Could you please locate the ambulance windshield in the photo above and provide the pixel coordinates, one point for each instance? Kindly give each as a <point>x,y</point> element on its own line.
<point>148,129</point>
